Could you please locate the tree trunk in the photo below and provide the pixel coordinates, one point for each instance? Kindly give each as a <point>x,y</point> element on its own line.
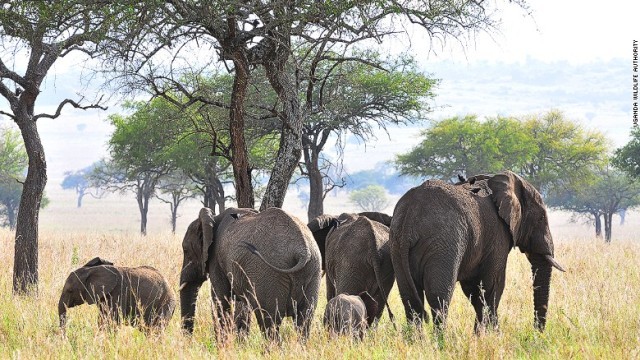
<point>80,196</point>
<point>25,266</point>
<point>174,211</point>
<point>598,222</point>
<point>316,192</point>
<point>240,155</point>
<point>219,196</point>
<point>315,207</point>
<point>290,148</point>
<point>608,223</point>
<point>11,216</point>
<point>144,192</point>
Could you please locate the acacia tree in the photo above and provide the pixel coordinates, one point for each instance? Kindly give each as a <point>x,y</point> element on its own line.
<point>370,198</point>
<point>356,98</point>
<point>80,182</point>
<point>265,34</point>
<point>41,32</point>
<point>550,151</point>
<point>174,189</point>
<point>140,154</point>
<point>466,146</point>
<point>565,152</point>
<point>607,193</point>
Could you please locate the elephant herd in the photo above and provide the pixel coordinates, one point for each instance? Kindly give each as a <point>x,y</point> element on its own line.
<point>269,264</point>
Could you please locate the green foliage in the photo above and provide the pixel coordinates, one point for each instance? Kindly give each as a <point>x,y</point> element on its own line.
<point>370,198</point>
<point>464,145</point>
<point>357,98</point>
<point>565,152</point>
<point>627,158</point>
<point>549,150</point>
<point>13,166</point>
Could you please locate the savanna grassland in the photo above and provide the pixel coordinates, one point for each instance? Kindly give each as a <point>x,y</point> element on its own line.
<point>594,307</point>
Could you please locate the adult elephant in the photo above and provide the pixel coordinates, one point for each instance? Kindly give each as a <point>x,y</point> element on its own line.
<point>356,256</point>
<point>443,233</point>
<point>267,262</point>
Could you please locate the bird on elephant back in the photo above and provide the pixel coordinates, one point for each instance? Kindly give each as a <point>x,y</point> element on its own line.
<point>356,256</point>
<point>265,263</point>
<point>443,233</point>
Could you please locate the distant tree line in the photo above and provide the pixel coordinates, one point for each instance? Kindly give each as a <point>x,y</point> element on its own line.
<point>569,164</point>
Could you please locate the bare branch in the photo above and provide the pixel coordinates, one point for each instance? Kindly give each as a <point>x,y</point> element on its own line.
<point>74,104</point>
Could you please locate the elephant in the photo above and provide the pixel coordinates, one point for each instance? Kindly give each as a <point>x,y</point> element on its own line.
<point>348,314</point>
<point>443,233</point>
<point>356,256</point>
<point>130,293</point>
<point>265,262</point>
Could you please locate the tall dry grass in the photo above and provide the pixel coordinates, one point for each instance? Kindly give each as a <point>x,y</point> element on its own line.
<point>594,310</point>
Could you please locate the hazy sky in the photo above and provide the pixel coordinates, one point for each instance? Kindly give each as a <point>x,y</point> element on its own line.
<point>578,32</point>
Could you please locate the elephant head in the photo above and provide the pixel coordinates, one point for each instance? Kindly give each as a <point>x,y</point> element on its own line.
<point>321,227</point>
<point>520,206</point>
<point>323,224</point>
<point>195,246</point>
<point>96,280</point>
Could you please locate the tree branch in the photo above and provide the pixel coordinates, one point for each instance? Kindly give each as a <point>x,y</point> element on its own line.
<point>74,104</point>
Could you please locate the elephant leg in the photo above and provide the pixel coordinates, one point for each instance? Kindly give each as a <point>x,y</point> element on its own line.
<point>331,288</point>
<point>105,315</point>
<point>413,308</point>
<point>492,295</point>
<point>438,287</point>
<point>242,317</point>
<point>472,290</point>
<point>269,324</point>
<point>222,298</point>
<point>304,316</point>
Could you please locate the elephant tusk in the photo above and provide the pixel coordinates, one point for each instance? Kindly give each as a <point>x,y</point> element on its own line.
<point>182,286</point>
<point>554,263</point>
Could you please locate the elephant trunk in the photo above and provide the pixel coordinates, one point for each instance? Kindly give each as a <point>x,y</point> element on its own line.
<point>62,312</point>
<point>541,270</point>
<point>188,297</point>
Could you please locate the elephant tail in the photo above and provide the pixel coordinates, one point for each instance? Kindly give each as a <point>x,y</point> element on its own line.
<point>383,291</point>
<point>297,267</point>
<point>408,291</point>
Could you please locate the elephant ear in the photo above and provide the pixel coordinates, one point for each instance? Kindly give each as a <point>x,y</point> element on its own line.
<point>195,246</point>
<point>521,207</point>
<point>97,281</point>
<point>503,187</point>
<point>207,222</point>
<point>320,228</point>
<point>96,261</point>
<point>377,216</point>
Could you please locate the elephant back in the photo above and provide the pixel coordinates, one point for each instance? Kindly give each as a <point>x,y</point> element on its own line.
<point>354,249</point>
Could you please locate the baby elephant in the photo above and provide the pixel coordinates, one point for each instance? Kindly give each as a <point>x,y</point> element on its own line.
<point>350,314</point>
<point>130,293</point>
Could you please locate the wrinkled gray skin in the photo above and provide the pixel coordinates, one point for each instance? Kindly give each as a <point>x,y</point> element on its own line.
<point>442,233</point>
<point>121,293</point>
<point>356,256</point>
<point>347,314</point>
<point>267,262</point>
